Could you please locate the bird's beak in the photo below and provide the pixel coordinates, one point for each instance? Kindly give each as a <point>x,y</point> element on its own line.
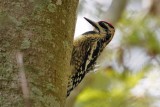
<point>92,23</point>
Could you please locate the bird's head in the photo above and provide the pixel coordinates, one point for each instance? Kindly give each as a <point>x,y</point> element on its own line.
<point>102,27</point>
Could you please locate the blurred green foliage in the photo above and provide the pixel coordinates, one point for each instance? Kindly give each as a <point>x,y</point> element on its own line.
<point>141,31</point>
<point>111,89</point>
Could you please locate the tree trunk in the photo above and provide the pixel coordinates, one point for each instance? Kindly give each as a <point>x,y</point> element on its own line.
<point>35,49</point>
<point>114,13</point>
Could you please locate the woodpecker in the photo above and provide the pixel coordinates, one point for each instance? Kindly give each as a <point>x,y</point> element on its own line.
<point>86,50</point>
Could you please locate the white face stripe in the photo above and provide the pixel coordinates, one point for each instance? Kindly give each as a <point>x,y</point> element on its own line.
<point>110,29</point>
<point>107,25</point>
<point>102,30</point>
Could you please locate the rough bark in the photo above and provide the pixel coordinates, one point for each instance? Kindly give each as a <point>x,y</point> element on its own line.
<point>35,49</point>
<point>155,8</point>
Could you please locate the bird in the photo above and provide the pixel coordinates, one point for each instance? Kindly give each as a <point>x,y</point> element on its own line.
<point>86,49</point>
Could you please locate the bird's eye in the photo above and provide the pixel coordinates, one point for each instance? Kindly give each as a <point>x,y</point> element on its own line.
<point>104,25</point>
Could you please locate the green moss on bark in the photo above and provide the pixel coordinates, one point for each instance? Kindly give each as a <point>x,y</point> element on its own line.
<point>43,31</point>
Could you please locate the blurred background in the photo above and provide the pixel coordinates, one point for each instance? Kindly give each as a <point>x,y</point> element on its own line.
<point>129,68</point>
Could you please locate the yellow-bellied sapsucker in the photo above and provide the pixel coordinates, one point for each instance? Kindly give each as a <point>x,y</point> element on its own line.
<point>86,50</point>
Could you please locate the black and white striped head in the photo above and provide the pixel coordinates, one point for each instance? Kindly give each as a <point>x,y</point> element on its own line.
<point>102,27</point>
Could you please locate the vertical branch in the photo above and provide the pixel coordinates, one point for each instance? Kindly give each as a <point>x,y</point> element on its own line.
<point>114,13</point>
<point>22,79</point>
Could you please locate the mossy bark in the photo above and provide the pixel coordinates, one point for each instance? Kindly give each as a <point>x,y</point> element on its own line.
<point>42,30</point>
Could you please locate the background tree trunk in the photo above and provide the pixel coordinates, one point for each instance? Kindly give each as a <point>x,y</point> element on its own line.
<point>35,49</point>
<point>114,13</point>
